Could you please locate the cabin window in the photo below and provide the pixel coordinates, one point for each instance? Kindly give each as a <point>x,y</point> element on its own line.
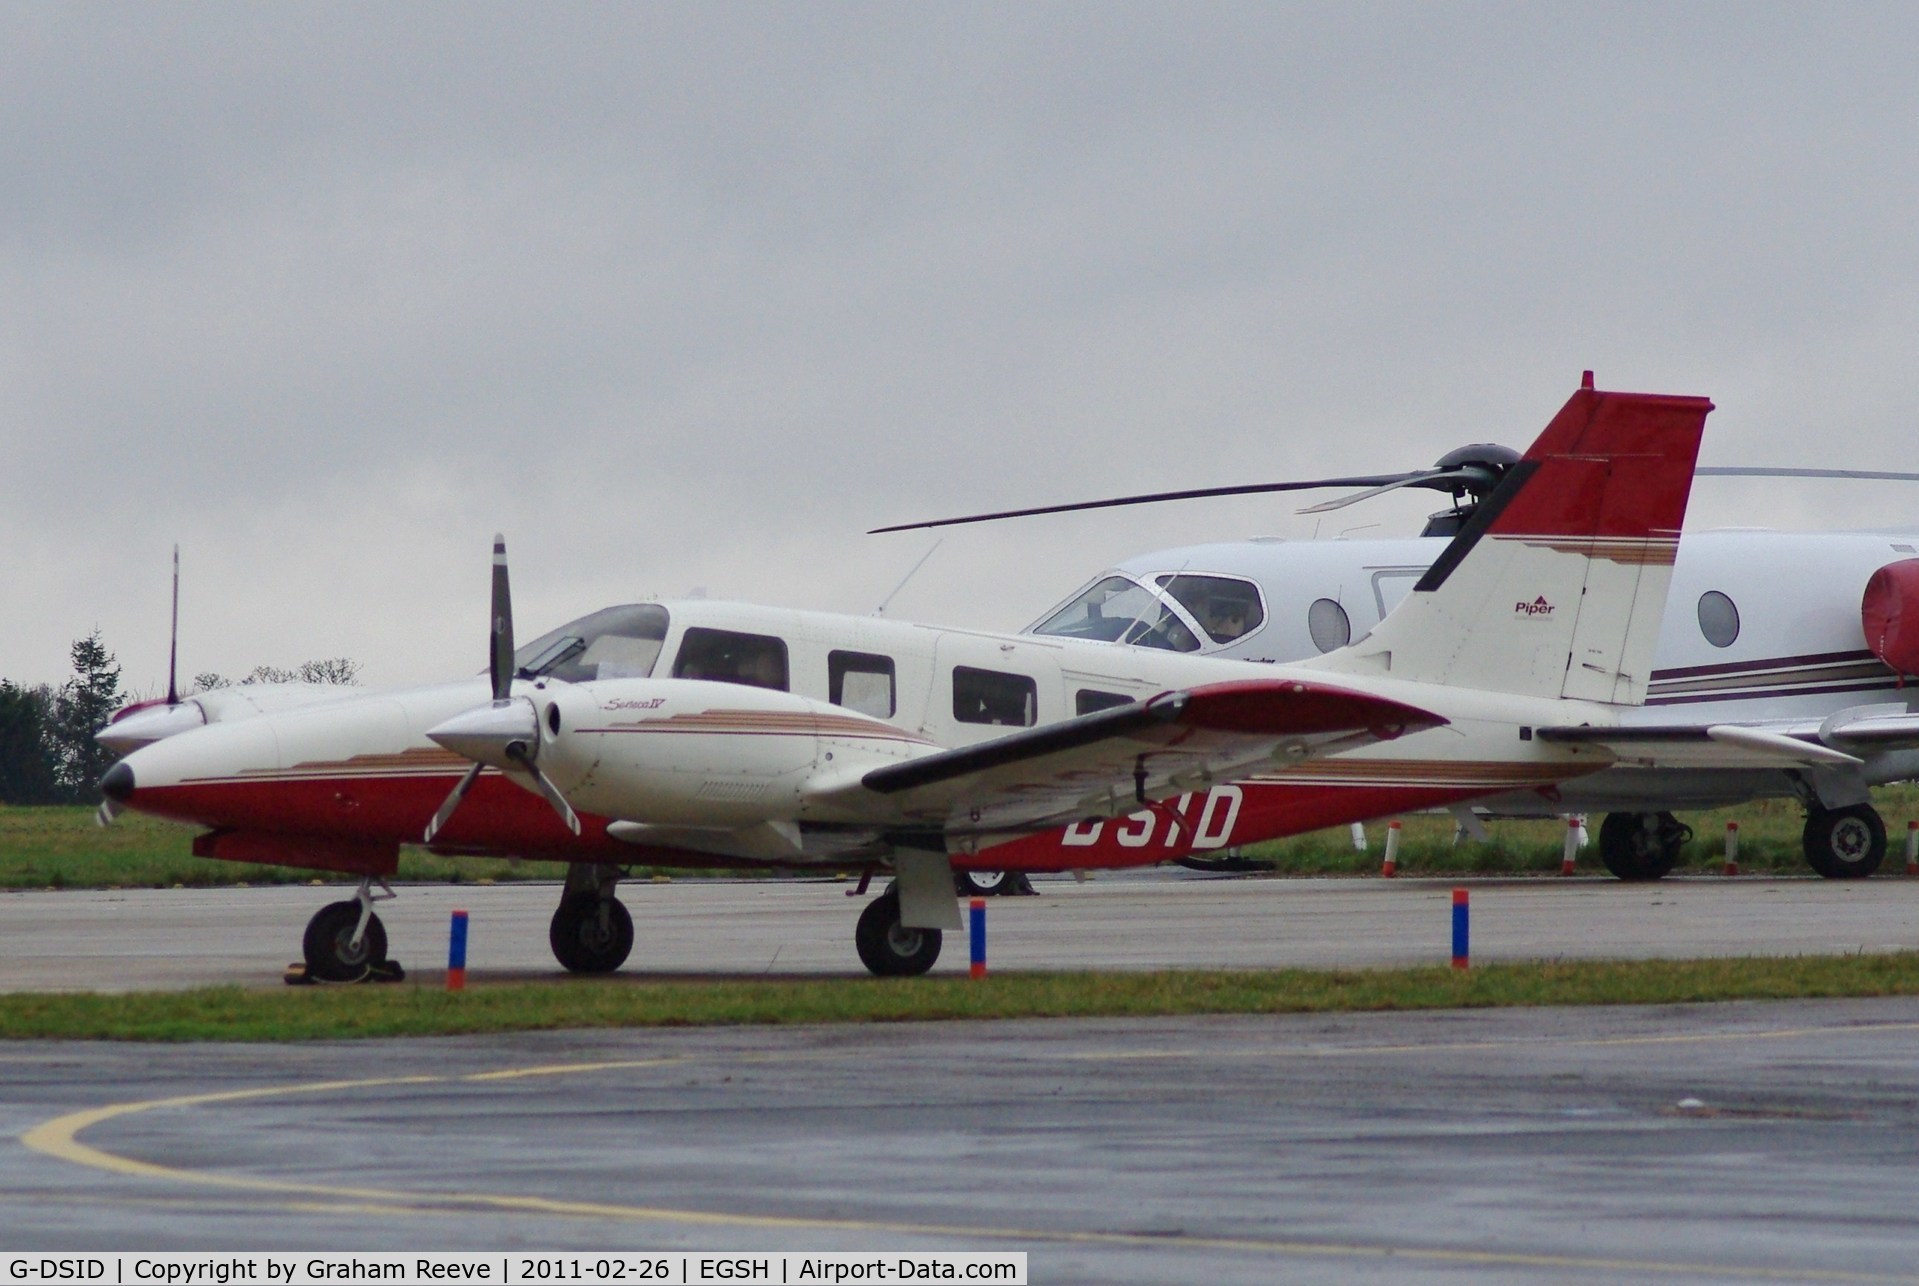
<point>988,696</point>
<point>861,681</point>
<point>724,656</point>
<point>1718,618</point>
<point>614,643</point>
<point>1227,609</point>
<point>1328,624</point>
<point>1118,610</point>
<point>1087,700</point>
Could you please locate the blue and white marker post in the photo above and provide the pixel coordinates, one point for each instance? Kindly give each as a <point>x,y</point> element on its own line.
<point>1462,954</point>
<point>977,919</point>
<point>456,954</point>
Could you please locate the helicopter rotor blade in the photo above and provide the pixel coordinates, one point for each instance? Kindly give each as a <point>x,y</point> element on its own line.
<point>1857,475</point>
<point>1202,493</point>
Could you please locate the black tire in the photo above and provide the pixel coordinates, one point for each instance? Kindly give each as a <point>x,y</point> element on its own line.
<point>1845,843</point>
<point>1636,852</point>
<point>983,884</point>
<point>328,948</point>
<point>583,941</point>
<point>887,947</point>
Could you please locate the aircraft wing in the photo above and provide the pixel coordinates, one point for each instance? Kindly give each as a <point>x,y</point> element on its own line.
<point>1110,762</point>
<point>1843,739</point>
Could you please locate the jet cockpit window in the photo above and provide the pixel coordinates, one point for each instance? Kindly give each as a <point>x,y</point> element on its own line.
<point>613,643</point>
<point>1118,610</point>
<point>726,656</point>
<point>1227,609</point>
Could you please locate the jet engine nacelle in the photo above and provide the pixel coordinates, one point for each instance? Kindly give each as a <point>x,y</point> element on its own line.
<point>1890,614</point>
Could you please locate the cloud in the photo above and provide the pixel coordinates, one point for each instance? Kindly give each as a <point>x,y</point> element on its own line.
<point>692,297</point>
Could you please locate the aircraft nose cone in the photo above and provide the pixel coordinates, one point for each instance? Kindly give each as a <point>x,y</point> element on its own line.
<point>117,785</point>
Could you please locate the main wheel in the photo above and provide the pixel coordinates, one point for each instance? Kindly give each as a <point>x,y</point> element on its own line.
<point>331,955</point>
<point>889,948</point>
<point>982,884</point>
<point>1845,843</point>
<point>1641,846</point>
<point>590,933</point>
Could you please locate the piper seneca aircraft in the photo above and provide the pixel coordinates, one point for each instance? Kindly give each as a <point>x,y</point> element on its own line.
<point>1806,635</point>
<point>705,734</point>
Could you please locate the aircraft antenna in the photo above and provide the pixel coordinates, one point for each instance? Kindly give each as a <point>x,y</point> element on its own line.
<point>881,609</point>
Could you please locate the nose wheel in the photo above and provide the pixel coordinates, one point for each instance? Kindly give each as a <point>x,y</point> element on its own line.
<point>345,941</point>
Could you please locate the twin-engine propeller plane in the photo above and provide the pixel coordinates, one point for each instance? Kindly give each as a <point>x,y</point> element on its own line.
<point>1773,638</point>
<point>706,734</point>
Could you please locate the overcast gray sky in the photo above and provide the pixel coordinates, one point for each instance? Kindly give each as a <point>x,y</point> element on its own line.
<point>692,295</point>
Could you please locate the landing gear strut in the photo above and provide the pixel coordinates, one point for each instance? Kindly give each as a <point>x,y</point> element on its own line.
<point>889,948</point>
<point>1642,846</point>
<point>1844,843</point>
<point>345,941</point>
<point>592,931</point>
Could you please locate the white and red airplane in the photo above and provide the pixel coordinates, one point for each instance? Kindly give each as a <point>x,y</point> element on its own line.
<point>704,734</point>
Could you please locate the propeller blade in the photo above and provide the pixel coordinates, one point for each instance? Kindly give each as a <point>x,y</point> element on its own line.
<point>501,664</point>
<point>173,643</point>
<point>108,810</point>
<point>445,815</point>
<point>1249,489</point>
<point>520,756</point>
<point>1858,475</point>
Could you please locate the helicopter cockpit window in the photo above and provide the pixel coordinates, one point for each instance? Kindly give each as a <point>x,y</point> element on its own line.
<point>1118,610</point>
<point>1225,608</point>
<point>613,643</point>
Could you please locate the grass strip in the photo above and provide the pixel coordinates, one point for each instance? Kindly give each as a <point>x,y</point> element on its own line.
<point>334,1013</point>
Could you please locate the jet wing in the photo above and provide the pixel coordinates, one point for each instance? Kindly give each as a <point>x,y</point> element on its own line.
<point>1110,762</point>
<point>1717,745</point>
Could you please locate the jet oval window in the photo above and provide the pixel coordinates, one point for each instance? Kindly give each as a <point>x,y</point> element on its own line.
<point>1227,609</point>
<point>1329,625</point>
<point>1718,618</point>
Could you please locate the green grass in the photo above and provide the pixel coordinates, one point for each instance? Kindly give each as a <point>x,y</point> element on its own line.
<point>410,1009</point>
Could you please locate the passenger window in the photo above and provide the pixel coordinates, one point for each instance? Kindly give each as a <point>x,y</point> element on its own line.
<point>987,696</point>
<point>1087,700</point>
<point>861,681</point>
<point>756,660</point>
<point>1718,619</point>
<point>1225,608</point>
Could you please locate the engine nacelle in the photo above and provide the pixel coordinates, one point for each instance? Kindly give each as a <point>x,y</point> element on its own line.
<point>1890,613</point>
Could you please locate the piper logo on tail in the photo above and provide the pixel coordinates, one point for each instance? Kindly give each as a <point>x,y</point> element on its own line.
<point>1538,607</point>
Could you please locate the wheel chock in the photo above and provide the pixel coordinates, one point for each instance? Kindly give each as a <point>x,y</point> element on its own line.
<point>386,971</point>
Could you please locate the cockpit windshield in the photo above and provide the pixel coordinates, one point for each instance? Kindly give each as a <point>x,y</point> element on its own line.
<point>1118,610</point>
<point>1225,607</point>
<point>613,643</point>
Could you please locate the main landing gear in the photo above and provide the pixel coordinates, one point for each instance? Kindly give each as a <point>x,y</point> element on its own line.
<point>592,931</point>
<point>1844,843</point>
<point>345,941</point>
<point>889,948</point>
<point>1642,846</point>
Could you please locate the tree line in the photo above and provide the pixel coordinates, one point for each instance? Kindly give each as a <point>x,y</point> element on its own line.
<point>47,751</point>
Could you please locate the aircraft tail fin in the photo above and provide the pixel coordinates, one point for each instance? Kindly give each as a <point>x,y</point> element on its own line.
<point>1557,583</point>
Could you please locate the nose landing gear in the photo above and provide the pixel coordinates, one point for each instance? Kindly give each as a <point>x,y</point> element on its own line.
<point>345,941</point>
